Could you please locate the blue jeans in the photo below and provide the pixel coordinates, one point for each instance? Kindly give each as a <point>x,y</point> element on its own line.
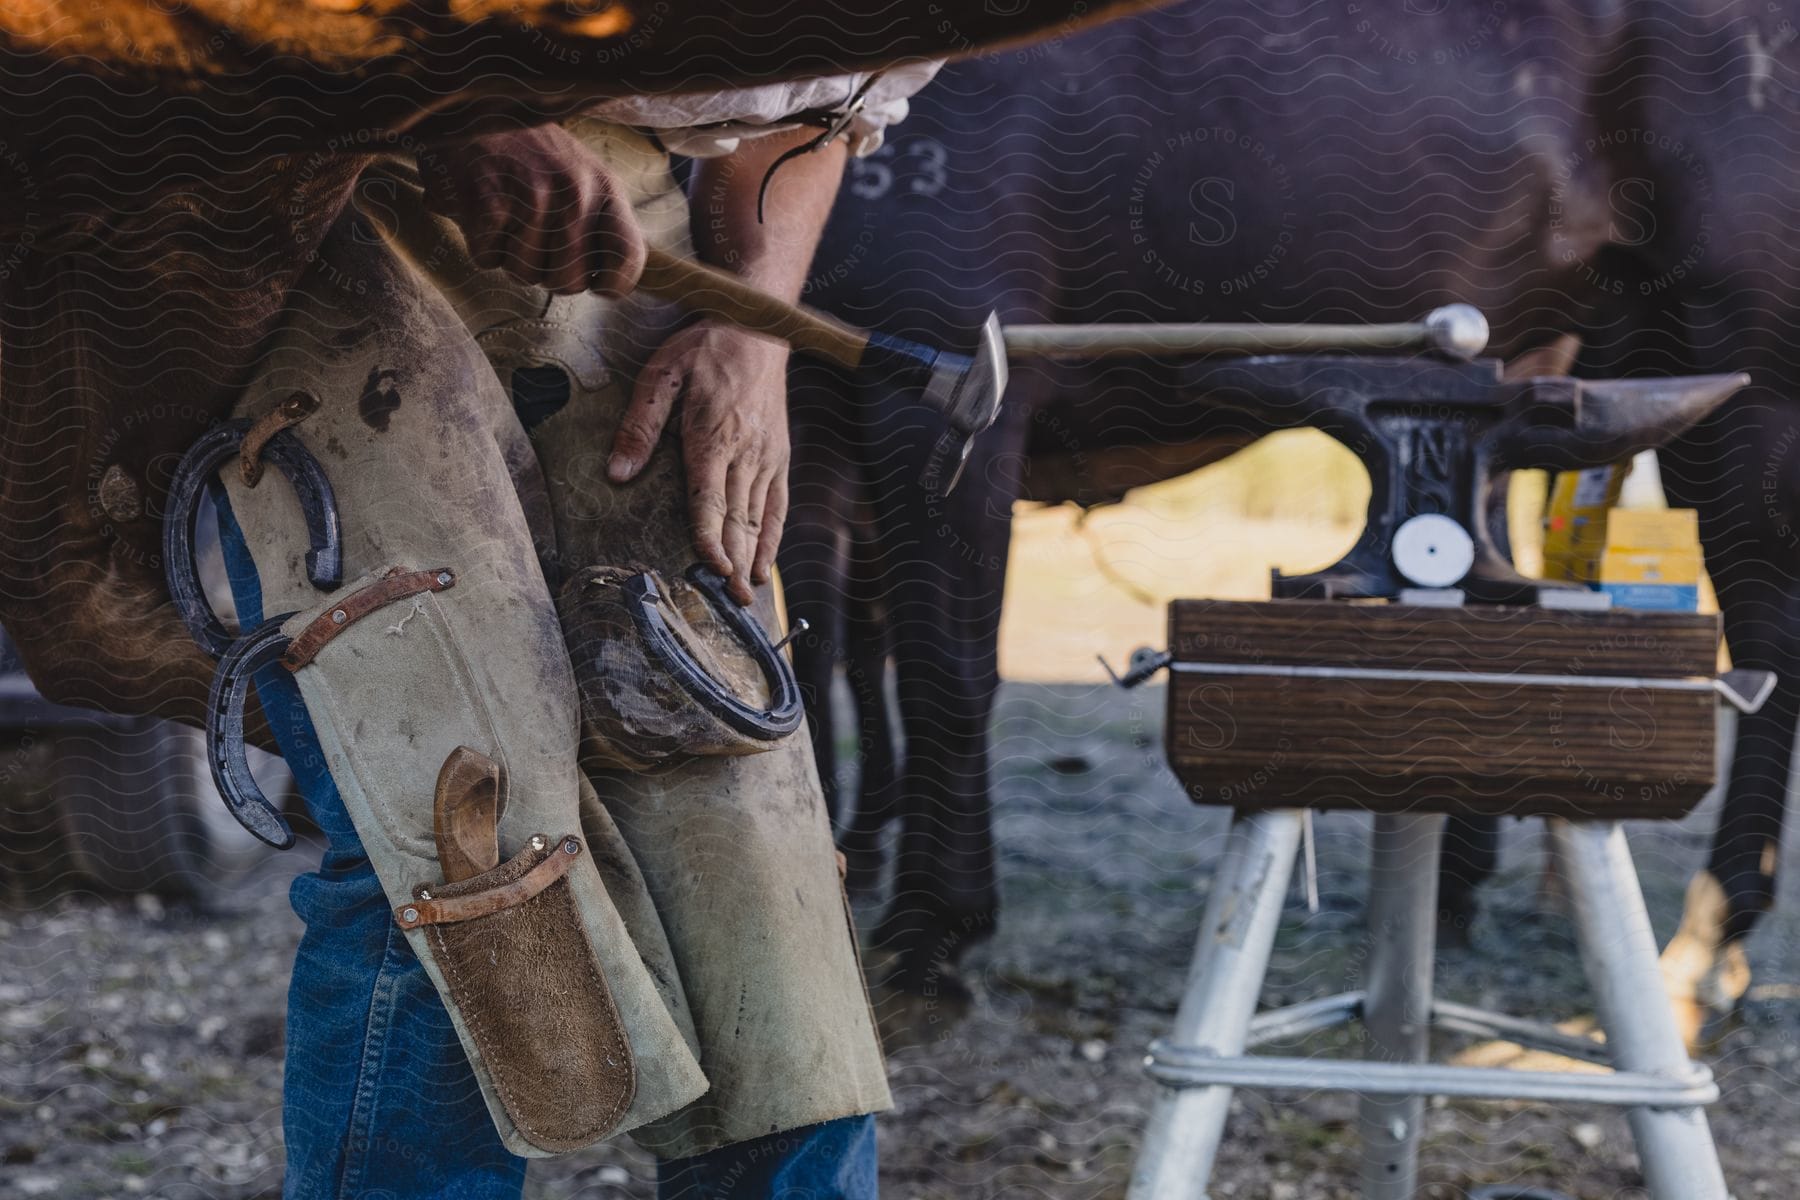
<point>378,1098</point>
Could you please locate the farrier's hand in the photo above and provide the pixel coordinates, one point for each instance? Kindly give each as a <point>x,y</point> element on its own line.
<point>734,435</point>
<point>539,204</point>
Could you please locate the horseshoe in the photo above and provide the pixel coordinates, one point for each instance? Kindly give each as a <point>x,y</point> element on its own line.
<point>769,724</point>
<point>225,732</point>
<point>218,446</point>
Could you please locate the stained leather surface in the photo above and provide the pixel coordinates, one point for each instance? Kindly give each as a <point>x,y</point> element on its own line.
<point>538,1005</point>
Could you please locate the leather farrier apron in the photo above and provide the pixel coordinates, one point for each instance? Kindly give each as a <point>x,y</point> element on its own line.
<point>665,950</point>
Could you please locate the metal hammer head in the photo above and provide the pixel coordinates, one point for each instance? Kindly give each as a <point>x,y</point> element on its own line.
<point>965,388</point>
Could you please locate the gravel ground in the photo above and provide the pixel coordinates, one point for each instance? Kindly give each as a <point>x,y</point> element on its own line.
<point>140,1046</point>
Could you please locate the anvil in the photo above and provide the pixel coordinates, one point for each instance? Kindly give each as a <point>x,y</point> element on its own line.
<point>1438,437</point>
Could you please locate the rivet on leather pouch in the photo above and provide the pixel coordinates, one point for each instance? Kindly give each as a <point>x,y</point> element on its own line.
<point>529,990</point>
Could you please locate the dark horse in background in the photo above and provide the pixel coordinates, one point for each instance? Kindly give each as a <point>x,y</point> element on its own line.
<point>1626,172</point>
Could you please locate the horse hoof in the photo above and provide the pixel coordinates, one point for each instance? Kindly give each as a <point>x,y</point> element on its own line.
<point>913,957</point>
<point>918,1008</point>
<point>1705,976</point>
<point>1456,922</point>
<point>915,991</point>
<point>1455,931</point>
<point>927,937</point>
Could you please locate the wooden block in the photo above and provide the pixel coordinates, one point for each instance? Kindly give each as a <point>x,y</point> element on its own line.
<point>1497,744</point>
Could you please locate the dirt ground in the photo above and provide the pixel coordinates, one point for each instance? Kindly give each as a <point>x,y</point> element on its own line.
<point>140,1046</point>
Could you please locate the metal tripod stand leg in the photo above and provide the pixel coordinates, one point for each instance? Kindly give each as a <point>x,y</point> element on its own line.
<point>1675,1145</point>
<point>1402,920</point>
<point>1231,957</point>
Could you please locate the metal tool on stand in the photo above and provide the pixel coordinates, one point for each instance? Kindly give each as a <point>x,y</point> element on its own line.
<point>1381,707</point>
<point>1437,439</point>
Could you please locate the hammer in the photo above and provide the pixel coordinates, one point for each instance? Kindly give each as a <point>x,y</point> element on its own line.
<point>966,388</point>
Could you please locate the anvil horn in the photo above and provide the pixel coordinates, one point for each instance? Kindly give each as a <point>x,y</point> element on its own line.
<point>1615,419</point>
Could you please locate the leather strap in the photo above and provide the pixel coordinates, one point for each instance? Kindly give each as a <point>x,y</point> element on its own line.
<point>450,909</point>
<point>397,584</point>
<point>289,413</point>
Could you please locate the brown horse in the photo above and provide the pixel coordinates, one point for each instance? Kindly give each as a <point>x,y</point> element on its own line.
<point>1619,171</point>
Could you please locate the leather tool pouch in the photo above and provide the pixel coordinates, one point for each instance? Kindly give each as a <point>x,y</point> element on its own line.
<point>519,968</point>
<point>672,668</point>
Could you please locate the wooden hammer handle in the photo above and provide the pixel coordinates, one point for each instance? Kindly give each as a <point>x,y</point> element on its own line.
<point>715,293</point>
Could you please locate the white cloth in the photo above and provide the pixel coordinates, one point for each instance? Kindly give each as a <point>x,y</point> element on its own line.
<point>712,124</point>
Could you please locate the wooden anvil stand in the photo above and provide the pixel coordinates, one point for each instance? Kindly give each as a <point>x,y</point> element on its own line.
<point>1422,677</point>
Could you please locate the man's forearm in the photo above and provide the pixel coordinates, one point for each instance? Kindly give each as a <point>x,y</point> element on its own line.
<point>776,254</point>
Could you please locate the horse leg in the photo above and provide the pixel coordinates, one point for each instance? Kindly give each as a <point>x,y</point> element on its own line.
<point>808,574</point>
<point>1468,858</point>
<point>1747,531</point>
<point>866,648</point>
<point>1705,965</point>
<point>945,894</point>
<point>1746,845</point>
<point>813,561</point>
<point>943,602</point>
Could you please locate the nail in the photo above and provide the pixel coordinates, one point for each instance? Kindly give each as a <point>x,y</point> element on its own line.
<point>619,468</point>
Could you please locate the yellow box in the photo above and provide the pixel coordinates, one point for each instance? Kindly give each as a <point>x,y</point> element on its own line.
<point>1673,529</point>
<point>1652,558</point>
<point>1575,521</point>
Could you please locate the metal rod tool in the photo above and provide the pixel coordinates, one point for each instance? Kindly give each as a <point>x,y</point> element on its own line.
<point>1455,331</point>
